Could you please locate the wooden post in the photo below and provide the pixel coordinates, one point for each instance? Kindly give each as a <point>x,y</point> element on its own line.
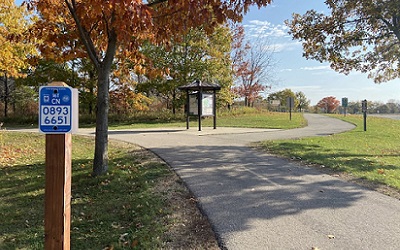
<point>58,191</point>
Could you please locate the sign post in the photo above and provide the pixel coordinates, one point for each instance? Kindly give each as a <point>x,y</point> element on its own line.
<point>345,103</point>
<point>364,110</point>
<point>290,105</point>
<point>57,117</point>
<point>57,220</point>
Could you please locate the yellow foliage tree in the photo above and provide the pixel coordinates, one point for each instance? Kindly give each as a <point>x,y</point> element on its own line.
<point>14,49</point>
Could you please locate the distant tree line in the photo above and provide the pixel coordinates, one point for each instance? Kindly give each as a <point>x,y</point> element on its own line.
<point>278,101</point>
<point>331,105</point>
<point>374,107</point>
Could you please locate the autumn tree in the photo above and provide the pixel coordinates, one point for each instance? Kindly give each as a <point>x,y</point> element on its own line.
<point>329,104</point>
<point>192,56</point>
<point>362,35</point>
<point>15,49</point>
<point>220,63</point>
<point>105,31</point>
<point>125,98</point>
<point>302,101</point>
<point>87,85</point>
<point>46,71</point>
<point>282,96</point>
<point>252,64</point>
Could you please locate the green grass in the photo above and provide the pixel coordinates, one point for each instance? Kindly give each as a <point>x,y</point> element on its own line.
<point>373,155</point>
<point>237,117</point>
<point>244,117</point>
<point>261,120</point>
<point>119,210</point>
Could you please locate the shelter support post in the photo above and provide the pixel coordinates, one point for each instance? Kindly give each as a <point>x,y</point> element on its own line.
<point>199,107</point>
<point>187,110</point>
<point>215,108</point>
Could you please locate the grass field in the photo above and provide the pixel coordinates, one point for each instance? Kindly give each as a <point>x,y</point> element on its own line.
<point>238,117</point>
<point>245,117</point>
<point>129,208</point>
<point>373,155</point>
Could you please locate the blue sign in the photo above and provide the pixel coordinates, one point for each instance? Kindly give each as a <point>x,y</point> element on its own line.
<point>55,109</point>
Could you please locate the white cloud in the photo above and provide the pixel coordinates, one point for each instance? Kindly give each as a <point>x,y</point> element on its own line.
<point>260,23</point>
<point>323,67</point>
<point>288,46</point>
<point>258,28</point>
<point>286,70</point>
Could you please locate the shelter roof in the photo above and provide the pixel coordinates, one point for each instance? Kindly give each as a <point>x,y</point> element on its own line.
<point>199,85</point>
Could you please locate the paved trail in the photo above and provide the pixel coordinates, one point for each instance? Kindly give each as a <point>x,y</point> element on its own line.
<point>258,201</point>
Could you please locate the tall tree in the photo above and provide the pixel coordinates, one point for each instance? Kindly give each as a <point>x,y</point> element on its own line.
<point>87,85</point>
<point>45,71</point>
<point>329,104</point>
<point>362,35</point>
<point>15,49</point>
<point>302,101</point>
<point>115,29</point>
<point>183,60</point>
<point>252,64</point>
<point>282,96</point>
<point>193,56</point>
<point>219,64</point>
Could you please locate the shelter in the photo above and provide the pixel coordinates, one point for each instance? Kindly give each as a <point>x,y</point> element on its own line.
<point>201,101</point>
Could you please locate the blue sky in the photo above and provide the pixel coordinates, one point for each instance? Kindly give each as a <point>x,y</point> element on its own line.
<point>293,71</point>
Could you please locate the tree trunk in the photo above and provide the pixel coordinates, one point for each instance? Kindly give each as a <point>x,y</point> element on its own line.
<point>100,163</point>
<point>91,91</point>
<point>6,94</point>
<point>173,101</point>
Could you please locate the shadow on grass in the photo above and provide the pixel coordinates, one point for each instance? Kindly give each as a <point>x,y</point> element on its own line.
<point>117,209</point>
<point>337,160</point>
<point>22,207</point>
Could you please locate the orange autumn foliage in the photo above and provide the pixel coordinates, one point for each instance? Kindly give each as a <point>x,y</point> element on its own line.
<point>65,26</point>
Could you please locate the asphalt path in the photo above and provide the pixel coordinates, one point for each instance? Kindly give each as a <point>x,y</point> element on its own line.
<point>258,201</point>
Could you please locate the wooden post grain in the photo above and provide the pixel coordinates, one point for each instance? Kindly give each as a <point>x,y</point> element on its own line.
<point>58,191</point>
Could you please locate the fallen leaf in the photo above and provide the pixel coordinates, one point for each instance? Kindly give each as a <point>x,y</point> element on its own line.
<point>135,243</point>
